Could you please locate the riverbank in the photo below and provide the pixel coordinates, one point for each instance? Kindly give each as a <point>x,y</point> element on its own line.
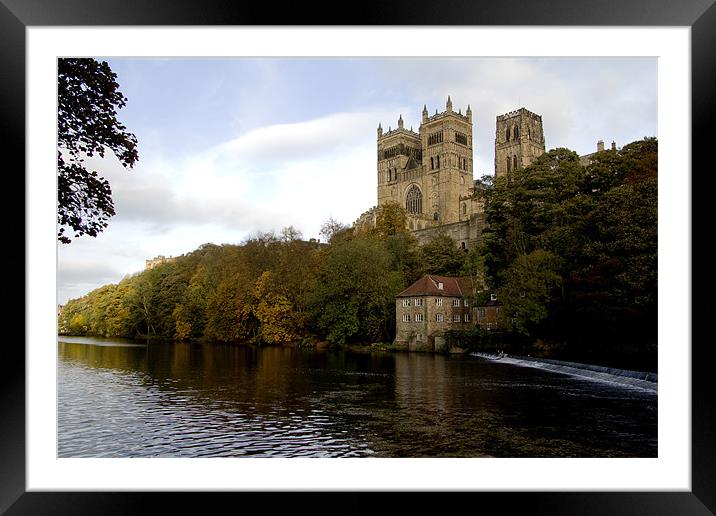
<point>639,379</point>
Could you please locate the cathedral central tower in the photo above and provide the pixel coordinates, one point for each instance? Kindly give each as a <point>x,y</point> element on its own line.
<point>429,171</point>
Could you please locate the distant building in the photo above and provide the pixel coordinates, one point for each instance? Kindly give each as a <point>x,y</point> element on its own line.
<point>588,158</point>
<point>486,314</point>
<point>158,260</point>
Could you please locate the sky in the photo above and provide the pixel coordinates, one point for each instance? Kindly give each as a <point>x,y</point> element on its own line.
<point>232,147</point>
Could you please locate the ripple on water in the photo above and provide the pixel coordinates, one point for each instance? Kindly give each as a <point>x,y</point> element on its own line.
<point>138,402</point>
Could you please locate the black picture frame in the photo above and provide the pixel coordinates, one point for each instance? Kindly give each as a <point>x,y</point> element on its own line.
<point>700,15</point>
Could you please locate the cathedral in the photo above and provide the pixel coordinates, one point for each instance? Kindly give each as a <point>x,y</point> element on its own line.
<point>430,172</point>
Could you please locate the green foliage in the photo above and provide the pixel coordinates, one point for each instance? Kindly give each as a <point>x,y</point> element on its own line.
<point>354,295</point>
<point>571,250</point>
<point>88,97</point>
<point>442,256</point>
<point>528,287</point>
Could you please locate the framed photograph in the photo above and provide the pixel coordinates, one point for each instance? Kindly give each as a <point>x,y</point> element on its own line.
<point>552,58</point>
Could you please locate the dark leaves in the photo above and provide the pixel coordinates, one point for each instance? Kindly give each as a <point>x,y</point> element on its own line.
<point>87,125</point>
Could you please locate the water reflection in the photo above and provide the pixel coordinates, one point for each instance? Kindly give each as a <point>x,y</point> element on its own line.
<point>204,400</point>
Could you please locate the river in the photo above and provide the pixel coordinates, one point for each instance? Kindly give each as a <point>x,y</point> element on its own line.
<point>120,398</point>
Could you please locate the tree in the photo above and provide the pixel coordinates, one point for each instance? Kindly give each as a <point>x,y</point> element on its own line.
<point>88,99</point>
<point>442,256</point>
<point>390,220</point>
<point>330,228</point>
<point>354,295</point>
<point>528,287</point>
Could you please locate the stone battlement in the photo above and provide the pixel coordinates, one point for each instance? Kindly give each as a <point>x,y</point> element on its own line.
<point>445,114</point>
<point>399,130</point>
<point>518,112</point>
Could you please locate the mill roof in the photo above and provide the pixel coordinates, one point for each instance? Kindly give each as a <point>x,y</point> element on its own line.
<point>428,286</point>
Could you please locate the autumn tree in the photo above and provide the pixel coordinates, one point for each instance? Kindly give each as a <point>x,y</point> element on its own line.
<point>331,228</point>
<point>88,99</point>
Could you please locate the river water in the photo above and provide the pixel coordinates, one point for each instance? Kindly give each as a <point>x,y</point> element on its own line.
<point>123,399</point>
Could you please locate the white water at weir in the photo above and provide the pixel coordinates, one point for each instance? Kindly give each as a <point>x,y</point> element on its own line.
<point>630,379</point>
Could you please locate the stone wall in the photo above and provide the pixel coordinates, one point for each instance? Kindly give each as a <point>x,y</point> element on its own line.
<point>427,335</point>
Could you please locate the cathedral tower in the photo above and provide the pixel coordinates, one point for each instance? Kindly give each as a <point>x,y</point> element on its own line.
<point>429,171</point>
<point>519,140</point>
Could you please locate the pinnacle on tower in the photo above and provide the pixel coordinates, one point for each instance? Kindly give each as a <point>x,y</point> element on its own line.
<point>469,113</point>
<point>400,122</point>
<point>448,105</point>
<point>380,130</point>
<point>425,113</point>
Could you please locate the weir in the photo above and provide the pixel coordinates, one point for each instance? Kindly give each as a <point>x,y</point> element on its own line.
<point>637,379</point>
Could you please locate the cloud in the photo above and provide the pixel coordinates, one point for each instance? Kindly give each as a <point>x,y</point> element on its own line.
<point>76,278</point>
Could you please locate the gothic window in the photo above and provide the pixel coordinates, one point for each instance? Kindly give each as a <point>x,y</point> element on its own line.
<point>509,164</point>
<point>507,134</point>
<point>529,133</point>
<point>436,137</point>
<point>464,212</point>
<point>438,161</point>
<point>432,164</point>
<point>435,216</point>
<point>414,200</point>
<point>514,162</point>
<point>516,132</point>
